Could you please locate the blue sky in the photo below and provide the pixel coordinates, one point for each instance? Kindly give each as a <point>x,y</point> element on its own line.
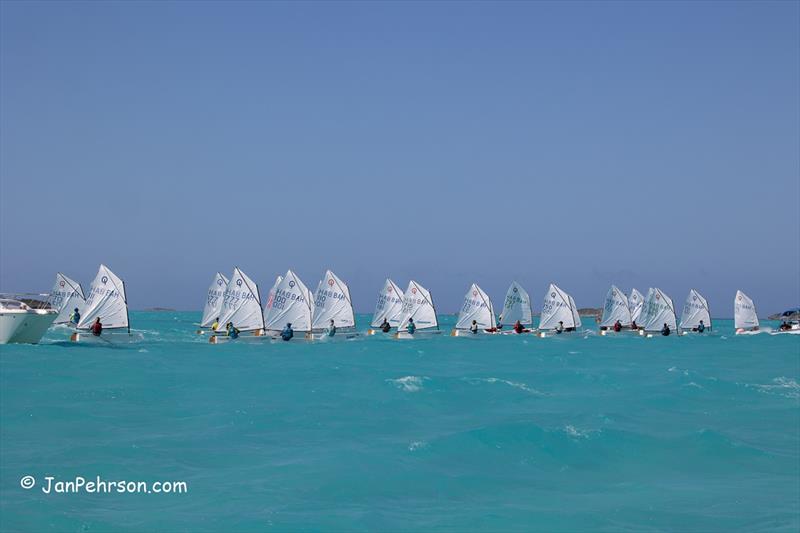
<point>639,143</point>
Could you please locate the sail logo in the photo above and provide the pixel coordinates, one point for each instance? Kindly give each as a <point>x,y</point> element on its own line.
<point>238,282</point>
<point>515,289</point>
<point>61,283</point>
<point>389,289</point>
<point>330,282</point>
<point>292,284</point>
<point>552,295</point>
<point>104,279</point>
<point>474,293</point>
<point>414,290</point>
<point>219,282</point>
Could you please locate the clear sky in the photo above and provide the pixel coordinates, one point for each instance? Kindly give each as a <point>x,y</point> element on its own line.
<point>636,143</point>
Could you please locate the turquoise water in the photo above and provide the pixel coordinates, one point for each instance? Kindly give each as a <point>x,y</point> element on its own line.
<point>580,433</point>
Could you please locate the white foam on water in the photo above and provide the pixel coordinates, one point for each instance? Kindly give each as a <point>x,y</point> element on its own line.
<point>409,383</point>
<point>576,433</point>
<point>783,386</point>
<point>417,445</point>
<point>515,384</point>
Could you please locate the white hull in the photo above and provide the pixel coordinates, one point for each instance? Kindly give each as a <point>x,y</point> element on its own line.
<point>107,337</point>
<point>468,334</point>
<point>552,333</point>
<point>419,334</point>
<point>244,336</point>
<point>623,332</point>
<point>741,331</point>
<point>27,327</point>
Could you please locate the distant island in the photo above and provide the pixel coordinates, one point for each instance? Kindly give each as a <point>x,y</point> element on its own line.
<point>160,309</point>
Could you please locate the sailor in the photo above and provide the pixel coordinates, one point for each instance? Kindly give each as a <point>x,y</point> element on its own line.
<point>665,331</point>
<point>784,326</point>
<point>97,327</point>
<point>233,333</point>
<point>499,320</point>
<point>560,327</point>
<point>75,316</point>
<point>701,327</point>
<point>518,327</point>
<point>474,327</point>
<point>215,325</point>
<point>411,327</point>
<point>331,331</point>
<point>633,325</point>
<point>617,326</point>
<point>385,326</point>
<point>287,332</point>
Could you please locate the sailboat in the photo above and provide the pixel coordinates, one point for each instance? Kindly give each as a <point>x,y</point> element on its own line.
<point>108,302</point>
<point>66,296</point>
<point>616,308</point>
<point>332,305</point>
<point>516,307</point>
<point>292,304</point>
<point>214,298</point>
<point>389,307</point>
<point>695,312</point>
<point>558,311</point>
<point>241,307</point>
<point>635,304</point>
<point>477,308</point>
<point>745,319</point>
<point>417,308</point>
<point>271,295</point>
<point>657,311</point>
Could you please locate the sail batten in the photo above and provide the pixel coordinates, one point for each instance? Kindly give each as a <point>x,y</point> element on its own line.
<point>107,301</point>
<point>517,306</point>
<point>214,298</point>
<point>478,307</point>
<point>389,305</point>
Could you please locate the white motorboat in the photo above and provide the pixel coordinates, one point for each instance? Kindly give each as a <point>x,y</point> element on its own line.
<point>22,324</point>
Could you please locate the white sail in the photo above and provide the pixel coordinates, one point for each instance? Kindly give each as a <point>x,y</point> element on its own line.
<point>271,295</point>
<point>658,310</point>
<point>517,306</point>
<point>332,302</point>
<point>417,304</point>
<point>478,307</point>
<point>106,300</point>
<point>66,295</point>
<point>389,306</point>
<point>558,307</point>
<point>744,312</point>
<point>615,308</point>
<point>241,303</point>
<point>694,310</point>
<point>292,304</point>
<point>576,318</point>
<point>635,303</point>
<point>214,298</point>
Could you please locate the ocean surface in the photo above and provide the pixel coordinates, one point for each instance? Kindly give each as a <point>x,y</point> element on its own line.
<point>699,433</point>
